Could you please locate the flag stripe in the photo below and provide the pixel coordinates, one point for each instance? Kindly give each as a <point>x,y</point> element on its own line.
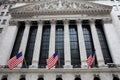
<point>90,60</point>
<point>51,61</point>
<point>13,62</point>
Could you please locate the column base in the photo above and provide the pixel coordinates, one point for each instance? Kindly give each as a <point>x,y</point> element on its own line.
<point>34,64</point>
<point>101,64</point>
<point>84,64</point>
<point>68,66</point>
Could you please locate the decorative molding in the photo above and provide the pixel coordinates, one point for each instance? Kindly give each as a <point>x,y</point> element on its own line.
<point>40,22</point>
<point>27,22</point>
<point>107,20</point>
<point>12,22</point>
<point>53,21</point>
<point>60,7</point>
<point>61,70</point>
<point>92,21</point>
<point>66,21</point>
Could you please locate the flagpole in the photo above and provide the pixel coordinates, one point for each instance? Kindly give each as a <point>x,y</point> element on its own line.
<point>25,63</point>
<point>93,65</point>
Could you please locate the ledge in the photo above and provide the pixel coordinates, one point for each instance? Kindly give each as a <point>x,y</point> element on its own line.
<point>60,70</point>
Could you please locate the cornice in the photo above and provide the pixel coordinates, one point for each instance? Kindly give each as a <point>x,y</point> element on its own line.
<point>61,70</point>
<point>60,7</point>
<point>12,22</point>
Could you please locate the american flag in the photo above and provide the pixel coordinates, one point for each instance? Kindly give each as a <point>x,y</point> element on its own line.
<point>90,59</point>
<point>14,61</point>
<point>51,61</point>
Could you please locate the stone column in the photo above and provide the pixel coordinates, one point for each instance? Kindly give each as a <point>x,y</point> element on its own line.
<point>67,52</point>
<point>103,76</point>
<point>112,40</point>
<point>24,40</point>
<point>68,76</point>
<point>1,76</point>
<point>31,76</point>
<point>14,76</point>
<point>96,43</point>
<point>52,39</point>
<point>8,42</point>
<point>86,76</point>
<point>82,48</point>
<point>50,76</point>
<point>37,46</point>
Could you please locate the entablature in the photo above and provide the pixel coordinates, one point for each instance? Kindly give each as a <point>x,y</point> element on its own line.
<point>60,7</point>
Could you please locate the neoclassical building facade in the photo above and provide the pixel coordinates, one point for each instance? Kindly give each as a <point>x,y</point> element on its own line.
<point>74,29</point>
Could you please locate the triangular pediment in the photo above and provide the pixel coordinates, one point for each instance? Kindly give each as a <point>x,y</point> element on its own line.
<point>59,7</point>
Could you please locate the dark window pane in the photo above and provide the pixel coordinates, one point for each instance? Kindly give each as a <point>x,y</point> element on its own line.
<point>44,44</point>
<point>88,40</point>
<point>59,43</point>
<point>18,39</point>
<point>30,44</point>
<point>103,42</point>
<point>74,47</point>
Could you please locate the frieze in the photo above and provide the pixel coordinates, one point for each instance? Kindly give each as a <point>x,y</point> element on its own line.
<point>12,22</point>
<point>60,5</point>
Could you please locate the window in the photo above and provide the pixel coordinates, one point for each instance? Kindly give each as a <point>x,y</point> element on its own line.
<point>96,78</point>
<point>5,7</point>
<point>1,30</point>
<point>103,42</point>
<point>59,79</point>
<point>59,43</point>
<point>77,78</point>
<point>40,78</point>
<point>115,78</point>
<point>119,17</point>
<point>74,47</point>
<point>4,21</point>
<point>7,13</point>
<point>44,44</point>
<point>88,40</point>
<point>18,39</point>
<point>4,77</point>
<point>10,6</point>
<point>30,44</point>
<point>22,77</point>
<point>2,13</point>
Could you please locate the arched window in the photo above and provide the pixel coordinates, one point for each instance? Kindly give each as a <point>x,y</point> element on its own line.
<point>40,78</point>
<point>4,77</point>
<point>22,77</point>
<point>96,78</point>
<point>77,78</point>
<point>116,78</point>
<point>59,78</point>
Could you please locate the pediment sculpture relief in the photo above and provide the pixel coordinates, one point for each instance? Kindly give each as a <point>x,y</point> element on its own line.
<point>58,5</point>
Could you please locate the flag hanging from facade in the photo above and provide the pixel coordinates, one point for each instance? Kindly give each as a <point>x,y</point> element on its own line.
<point>51,61</point>
<point>90,59</point>
<point>14,61</point>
